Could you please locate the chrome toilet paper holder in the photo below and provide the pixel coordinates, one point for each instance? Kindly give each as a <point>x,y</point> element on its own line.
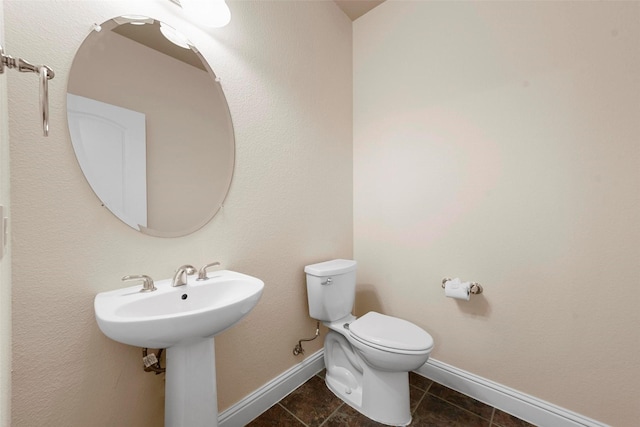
<point>475,288</point>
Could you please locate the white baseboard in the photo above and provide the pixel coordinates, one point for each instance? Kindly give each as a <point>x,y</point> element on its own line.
<point>243,412</point>
<point>521,405</point>
<point>518,404</point>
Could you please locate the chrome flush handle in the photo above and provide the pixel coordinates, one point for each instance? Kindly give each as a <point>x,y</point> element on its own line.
<point>327,282</point>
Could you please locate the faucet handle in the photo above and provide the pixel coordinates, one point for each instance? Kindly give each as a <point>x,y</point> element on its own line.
<point>147,282</point>
<point>202,274</point>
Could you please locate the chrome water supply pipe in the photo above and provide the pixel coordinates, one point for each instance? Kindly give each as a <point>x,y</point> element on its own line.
<point>298,348</point>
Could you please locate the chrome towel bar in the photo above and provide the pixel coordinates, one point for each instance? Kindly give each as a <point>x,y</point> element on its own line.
<point>45,73</point>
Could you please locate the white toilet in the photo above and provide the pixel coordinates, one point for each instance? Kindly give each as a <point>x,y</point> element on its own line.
<point>368,359</point>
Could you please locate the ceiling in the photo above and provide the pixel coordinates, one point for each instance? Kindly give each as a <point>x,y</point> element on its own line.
<point>150,36</point>
<point>354,9</point>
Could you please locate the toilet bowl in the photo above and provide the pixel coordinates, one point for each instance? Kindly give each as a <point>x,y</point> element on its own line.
<point>390,344</point>
<point>368,358</point>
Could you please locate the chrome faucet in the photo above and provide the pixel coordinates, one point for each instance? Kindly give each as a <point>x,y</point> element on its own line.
<point>202,274</point>
<point>180,278</point>
<point>147,282</point>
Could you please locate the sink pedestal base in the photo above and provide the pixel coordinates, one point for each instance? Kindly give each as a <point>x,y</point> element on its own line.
<point>190,391</point>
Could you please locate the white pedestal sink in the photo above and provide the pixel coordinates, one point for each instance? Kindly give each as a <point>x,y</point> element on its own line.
<point>183,320</point>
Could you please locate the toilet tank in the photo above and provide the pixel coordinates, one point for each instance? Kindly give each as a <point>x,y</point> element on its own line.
<point>331,289</point>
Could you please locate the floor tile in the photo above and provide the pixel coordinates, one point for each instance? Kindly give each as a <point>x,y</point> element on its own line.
<point>419,381</point>
<point>276,416</point>
<point>415,396</point>
<point>459,399</point>
<point>312,402</point>
<point>432,405</point>
<point>502,419</point>
<point>434,412</point>
<point>346,416</point>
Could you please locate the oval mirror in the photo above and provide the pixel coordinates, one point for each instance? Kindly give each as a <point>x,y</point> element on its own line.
<point>150,126</point>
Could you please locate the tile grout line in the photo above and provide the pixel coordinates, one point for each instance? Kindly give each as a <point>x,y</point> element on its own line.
<point>332,414</point>
<point>493,412</point>
<point>293,415</point>
<point>465,410</point>
<point>424,393</point>
<point>336,410</point>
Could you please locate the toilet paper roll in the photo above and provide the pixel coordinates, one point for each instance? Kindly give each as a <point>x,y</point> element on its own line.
<point>455,289</point>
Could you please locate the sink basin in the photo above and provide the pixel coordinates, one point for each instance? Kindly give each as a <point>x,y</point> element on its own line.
<point>172,315</point>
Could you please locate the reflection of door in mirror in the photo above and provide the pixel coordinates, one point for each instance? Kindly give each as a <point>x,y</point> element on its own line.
<point>109,142</point>
<point>189,135</point>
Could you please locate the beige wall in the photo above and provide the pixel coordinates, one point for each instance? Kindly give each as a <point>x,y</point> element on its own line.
<point>183,152</point>
<point>498,142</point>
<point>5,262</point>
<point>492,141</point>
<point>286,71</point>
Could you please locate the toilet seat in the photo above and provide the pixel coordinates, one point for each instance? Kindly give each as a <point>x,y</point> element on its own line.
<point>390,334</point>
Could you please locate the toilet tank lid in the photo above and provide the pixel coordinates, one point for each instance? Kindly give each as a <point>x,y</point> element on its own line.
<point>328,268</point>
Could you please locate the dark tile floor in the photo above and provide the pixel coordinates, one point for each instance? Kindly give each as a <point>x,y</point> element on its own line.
<point>314,405</point>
